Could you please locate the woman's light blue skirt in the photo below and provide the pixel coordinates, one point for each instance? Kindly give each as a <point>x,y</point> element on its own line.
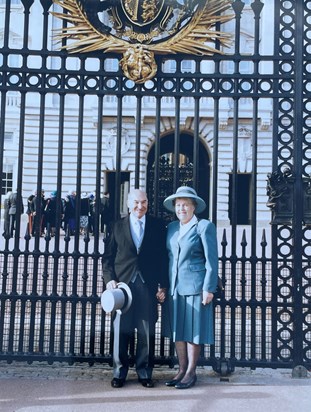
<point>187,320</point>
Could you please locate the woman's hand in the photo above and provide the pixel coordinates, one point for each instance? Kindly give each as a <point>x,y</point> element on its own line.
<point>207,297</point>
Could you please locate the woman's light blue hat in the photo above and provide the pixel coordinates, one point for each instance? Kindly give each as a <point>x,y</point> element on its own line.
<point>185,192</point>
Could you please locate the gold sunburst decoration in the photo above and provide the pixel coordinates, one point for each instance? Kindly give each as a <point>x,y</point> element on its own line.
<point>139,29</point>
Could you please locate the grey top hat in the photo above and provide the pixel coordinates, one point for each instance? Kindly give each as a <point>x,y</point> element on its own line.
<point>118,299</point>
<point>188,192</point>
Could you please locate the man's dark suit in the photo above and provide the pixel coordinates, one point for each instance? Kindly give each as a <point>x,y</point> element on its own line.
<point>121,261</point>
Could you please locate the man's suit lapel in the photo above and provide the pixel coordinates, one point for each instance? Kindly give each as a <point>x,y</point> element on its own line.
<point>127,232</point>
<point>147,232</point>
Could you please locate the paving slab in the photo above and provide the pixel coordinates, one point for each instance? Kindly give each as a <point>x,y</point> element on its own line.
<point>82,388</point>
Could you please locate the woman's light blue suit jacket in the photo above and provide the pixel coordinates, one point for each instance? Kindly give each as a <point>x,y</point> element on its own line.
<point>193,259</point>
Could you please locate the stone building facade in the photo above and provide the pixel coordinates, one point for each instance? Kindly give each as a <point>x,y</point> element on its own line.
<point>109,120</point>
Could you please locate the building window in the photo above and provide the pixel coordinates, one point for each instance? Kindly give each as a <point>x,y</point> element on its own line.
<point>8,136</point>
<point>187,66</point>
<point>241,199</point>
<point>7,179</point>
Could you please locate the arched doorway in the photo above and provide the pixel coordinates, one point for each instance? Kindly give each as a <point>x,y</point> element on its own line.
<point>166,172</point>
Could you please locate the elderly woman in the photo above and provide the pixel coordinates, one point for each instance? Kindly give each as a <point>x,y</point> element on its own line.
<point>193,273</point>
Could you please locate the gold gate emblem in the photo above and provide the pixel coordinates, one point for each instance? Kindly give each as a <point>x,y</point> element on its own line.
<point>139,29</point>
<point>142,12</point>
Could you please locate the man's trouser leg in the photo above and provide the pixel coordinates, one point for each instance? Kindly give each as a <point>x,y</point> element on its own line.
<point>145,329</point>
<point>120,347</point>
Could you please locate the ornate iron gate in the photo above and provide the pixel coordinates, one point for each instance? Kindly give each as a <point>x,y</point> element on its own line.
<point>77,118</point>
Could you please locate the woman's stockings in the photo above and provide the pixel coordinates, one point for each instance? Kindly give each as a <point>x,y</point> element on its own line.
<point>188,356</point>
<point>181,349</point>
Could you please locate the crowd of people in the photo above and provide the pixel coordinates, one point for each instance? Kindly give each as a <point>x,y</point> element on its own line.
<point>45,211</point>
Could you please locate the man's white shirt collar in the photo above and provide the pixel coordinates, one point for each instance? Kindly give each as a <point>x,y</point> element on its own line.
<point>135,224</point>
<point>134,219</point>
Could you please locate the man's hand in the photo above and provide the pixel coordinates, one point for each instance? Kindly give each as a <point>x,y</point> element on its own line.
<point>161,294</point>
<point>112,284</point>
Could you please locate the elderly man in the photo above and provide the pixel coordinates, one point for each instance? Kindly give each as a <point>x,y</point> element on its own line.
<point>135,254</point>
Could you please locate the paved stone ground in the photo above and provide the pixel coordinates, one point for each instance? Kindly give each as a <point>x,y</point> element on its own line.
<point>82,388</point>
<point>99,372</point>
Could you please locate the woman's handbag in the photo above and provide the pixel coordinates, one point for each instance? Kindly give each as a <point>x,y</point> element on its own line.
<point>220,291</point>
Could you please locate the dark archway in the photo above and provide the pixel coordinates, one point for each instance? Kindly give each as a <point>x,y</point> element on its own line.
<point>166,179</point>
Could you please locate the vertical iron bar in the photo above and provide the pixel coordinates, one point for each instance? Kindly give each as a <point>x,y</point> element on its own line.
<point>196,141</point>
<point>215,160</point>
<point>118,158</point>
<point>243,297</point>
<point>257,8</point>
<point>15,274</point>
<point>298,188</point>
<point>56,253</point>
<point>253,194</point>
<point>36,267</point>
<point>96,268</point>
<point>224,261</point>
<point>76,253</point>
<point>3,88</point>
<point>264,306</point>
<point>138,139</point>
<point>237,7</point>
<point>177,144</point>
<point>274,229</point>
<point>157,155</point>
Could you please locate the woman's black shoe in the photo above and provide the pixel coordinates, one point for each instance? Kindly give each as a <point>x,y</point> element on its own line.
<point>172,382</point>
<point>188,384</point>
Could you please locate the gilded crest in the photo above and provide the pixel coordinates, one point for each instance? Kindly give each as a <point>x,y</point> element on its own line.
<point>138,64</point>
<point>141,28</point>
<point>142,12</point>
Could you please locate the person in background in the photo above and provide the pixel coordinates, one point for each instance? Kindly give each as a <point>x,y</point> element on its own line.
<point>29,212</point>
<point>193,274</point>
<point>105,214</point>
<point>50,212</point>
<point>135,254</point>
<point>70,212</point>
<point>15,207</point>
<point>6,216</point>
<point>84,213</point>
<point>37,210</point>
<point>92,213</point>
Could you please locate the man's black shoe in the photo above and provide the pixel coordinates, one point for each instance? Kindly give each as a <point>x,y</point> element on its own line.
<point>117,383</point>
<point>147,383</point>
